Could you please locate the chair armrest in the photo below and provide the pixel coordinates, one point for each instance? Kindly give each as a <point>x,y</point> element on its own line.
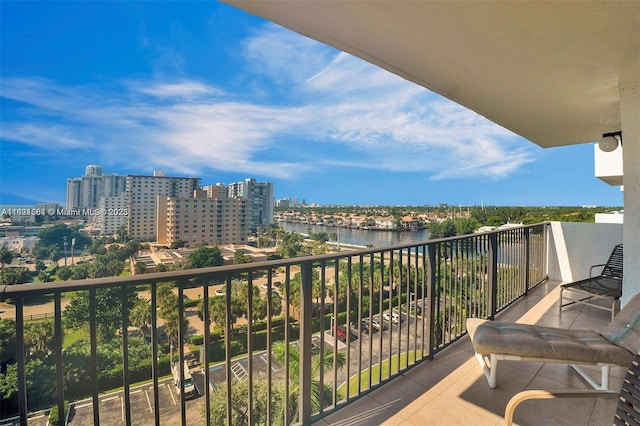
<point>520,397</point>
<point>595,266</point>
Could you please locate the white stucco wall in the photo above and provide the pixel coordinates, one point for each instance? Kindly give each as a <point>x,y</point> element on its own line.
<point>575,247</point>
<point>630,113</point>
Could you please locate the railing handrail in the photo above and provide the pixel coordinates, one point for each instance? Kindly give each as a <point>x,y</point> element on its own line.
<point>15,290</point>
<point>492,266</point>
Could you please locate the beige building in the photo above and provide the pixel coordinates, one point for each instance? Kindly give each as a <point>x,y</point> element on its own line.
<point>199,219</point>
<point>142,192</point>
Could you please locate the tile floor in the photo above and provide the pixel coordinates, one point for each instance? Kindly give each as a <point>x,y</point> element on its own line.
<point>451,389</point>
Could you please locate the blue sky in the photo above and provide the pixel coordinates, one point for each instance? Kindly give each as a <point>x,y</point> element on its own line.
<point>204,90</point>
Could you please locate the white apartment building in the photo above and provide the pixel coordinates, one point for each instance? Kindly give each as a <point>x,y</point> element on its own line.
<point>199,219</point>
<point>260,197</point>
<point>85,192</point>
<point>142,194</point>
<point>112,214</point>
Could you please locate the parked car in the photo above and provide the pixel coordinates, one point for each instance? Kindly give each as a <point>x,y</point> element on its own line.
<point>344,334</point>
<point>366,327</point>
<point>377,325</point>
<point>220,292</point>
<point>189,386</point>
<point>392,317</point>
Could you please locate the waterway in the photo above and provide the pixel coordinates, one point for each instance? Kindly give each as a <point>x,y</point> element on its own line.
<point>361,237</point>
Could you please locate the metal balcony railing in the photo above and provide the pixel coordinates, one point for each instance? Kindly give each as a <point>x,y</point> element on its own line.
<point>298,337</point>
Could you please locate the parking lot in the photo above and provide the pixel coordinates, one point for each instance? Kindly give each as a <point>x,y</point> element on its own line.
<point>395,337</point>
<point>112,407</point>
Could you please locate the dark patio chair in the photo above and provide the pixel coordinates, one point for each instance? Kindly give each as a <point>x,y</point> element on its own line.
<point>593,290</point>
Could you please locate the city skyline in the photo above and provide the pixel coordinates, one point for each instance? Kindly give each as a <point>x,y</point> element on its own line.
<point>201,89</point>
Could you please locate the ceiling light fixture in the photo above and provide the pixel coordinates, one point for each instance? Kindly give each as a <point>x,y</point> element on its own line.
<point>610,141</point>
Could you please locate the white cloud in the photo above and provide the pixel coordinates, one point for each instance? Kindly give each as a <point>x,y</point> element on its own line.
<point>378,119</point>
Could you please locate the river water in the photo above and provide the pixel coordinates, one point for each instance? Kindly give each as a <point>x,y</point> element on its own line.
<point>361,237</point>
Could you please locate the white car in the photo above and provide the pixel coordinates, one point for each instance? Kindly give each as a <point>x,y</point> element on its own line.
<point>393,317</point>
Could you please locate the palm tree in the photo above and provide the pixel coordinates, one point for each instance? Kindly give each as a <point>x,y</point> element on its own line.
<point>140,315</point>
<point>319,362</point>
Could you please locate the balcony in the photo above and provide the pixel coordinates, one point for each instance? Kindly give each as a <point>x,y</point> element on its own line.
<point>399,352</point>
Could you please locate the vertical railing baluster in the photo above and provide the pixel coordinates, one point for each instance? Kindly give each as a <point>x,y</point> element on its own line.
<point>416,278</point>
<point>155,371</point>
<point>287,341</point>
<point>306,301</point>
<point>205,348</point>
<point>22,360</point>
<point>322,327</point>
<point>371,327</point>
<point>493,274</point>
<point>348,330</point>
<point>269,344</point>
<point>250,404</point>
<point>58,351</point>
<point>334,326</point>
<point>430,309</point>
<point>359,319</point>
<point>93,337</point>
<point>401,287</point>
<point>180,348</point>
<point>380,319</point>
<point>228,327</point>
<point>527,260</point>
<point>394,290</point>
<point>125,355</point>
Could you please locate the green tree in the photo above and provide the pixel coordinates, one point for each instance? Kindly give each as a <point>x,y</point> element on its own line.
<point>319,362</point>
<point>205,257</point>
<point>41,383</point>
<point>466,226</point>
<point>177,244</point>
<point>38,338</point>
<point>55,235</point>
<point>290,245</point>
<point>108,310</point>
<point>239,407</point>
<point>7,340</point>
<point>6,256</point>
<point>44,277</point>
<point>239,257</point>
<point>140,315</point>
<point>10,276</point>
<point>140,267</point>
<point>64,272</point>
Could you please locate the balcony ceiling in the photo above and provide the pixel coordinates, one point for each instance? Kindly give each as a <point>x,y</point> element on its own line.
<point>548,71</point>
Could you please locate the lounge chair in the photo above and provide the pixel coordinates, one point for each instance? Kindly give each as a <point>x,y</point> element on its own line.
<point>627,411</point>
<point>604,287</point>
<point>615,345</point>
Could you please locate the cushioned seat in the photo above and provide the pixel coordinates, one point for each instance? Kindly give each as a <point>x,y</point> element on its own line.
<point>614,346</point>
<point>533,341</point>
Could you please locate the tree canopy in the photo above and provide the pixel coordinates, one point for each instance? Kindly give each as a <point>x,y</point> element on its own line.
<point>205,257</point>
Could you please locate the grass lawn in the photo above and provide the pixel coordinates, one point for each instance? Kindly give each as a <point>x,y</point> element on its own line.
<point>397,362</point>
<point>71,337</point>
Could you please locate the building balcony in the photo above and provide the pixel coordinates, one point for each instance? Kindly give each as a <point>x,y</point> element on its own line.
<point>354,337</point>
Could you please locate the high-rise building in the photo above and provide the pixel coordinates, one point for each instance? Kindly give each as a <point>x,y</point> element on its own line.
<point>112,214</point>
<point>142,194</point>
<point>85,192</point>
<point>260,198</point>
<point>201,219</point>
